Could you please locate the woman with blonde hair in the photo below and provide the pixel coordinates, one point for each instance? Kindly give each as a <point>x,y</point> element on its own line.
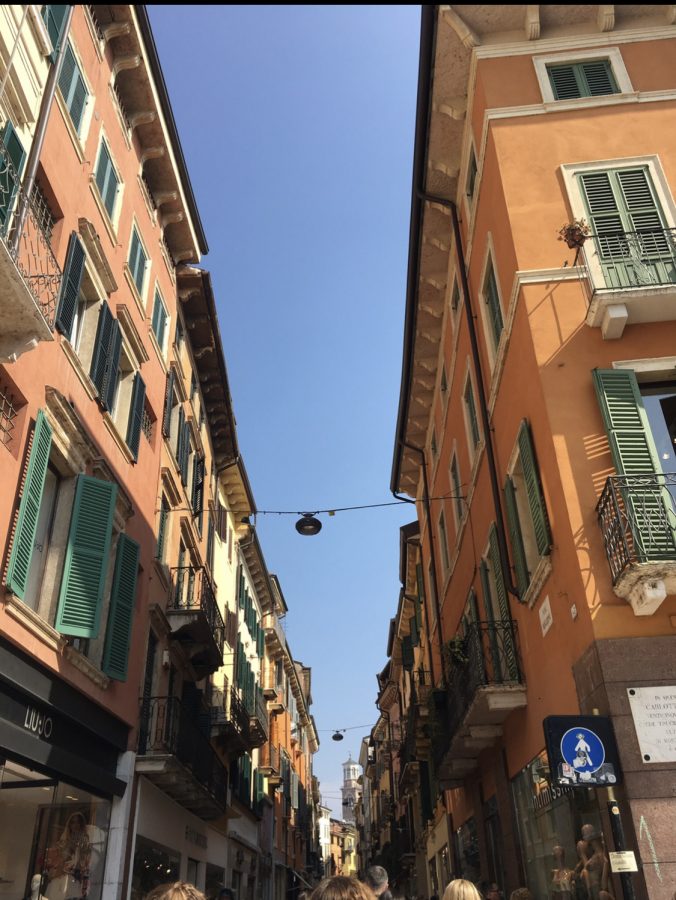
<point>179,890</point>
<point>340,887</point>
<point>459,889</point>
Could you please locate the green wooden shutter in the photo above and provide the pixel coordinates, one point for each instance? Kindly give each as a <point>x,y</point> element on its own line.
<point>471,414</point>
<point>494,629</point>
<point>493,303</point>
<point>73,88</point>
<point>14,157</point>
<point>210,544</point>
<point>240,588</point>
<point>70,286</point>
<point>415,634</point>
<point>624,416</point>
<point>471,173</point>
<point>161,531</point>
<point>516,538</point>
<point>168,404</point>
<point>137,261</point>
<point>122,597</point>
<point>181,455</point>
<point>589,79</point>
<point>138,399</point>
<point>84,569</point>
<point>29,508</point>
<point>505,659</point>
<point>536,500</point>
<point>106,356</point>
<point>55,20</point>
<point>198,491</point>
<point>112,364</point>
<point>159,322</point>
<point>407,653</point>
<point>106,179</point>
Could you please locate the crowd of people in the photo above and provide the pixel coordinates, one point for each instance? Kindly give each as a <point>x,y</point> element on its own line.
<point>375,886</point>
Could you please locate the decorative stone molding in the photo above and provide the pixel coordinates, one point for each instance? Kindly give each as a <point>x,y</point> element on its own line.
<point>33,623</point>
<point>115,29</point>
<point>606,18</point>
<point>532,23</point>
<point>86,666</point>
<point>467,36</point>
<point>68,434</point>
<point>162,197</point>
<point>143,117</point>
<point>122,63</point>
<point>97,255</point>
<point>152,153</point>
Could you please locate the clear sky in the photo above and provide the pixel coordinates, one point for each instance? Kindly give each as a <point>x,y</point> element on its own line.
<point>297,125</point>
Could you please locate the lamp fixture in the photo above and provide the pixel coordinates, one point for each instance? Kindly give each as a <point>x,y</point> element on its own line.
<point>308,525</point>
<point>337,735</point>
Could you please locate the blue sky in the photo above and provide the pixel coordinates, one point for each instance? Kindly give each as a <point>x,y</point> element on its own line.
<point>297,126</point>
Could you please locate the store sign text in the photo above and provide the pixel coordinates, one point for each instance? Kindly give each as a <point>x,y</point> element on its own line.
<point>38,723</point>
<point>195,837</point>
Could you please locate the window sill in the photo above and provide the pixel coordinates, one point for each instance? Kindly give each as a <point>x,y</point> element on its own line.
<point>582,102</point>
<point>34,623</point>
<point>109,422</point>
<point>111,231</point>
<point>86,666</point>
<point>540,575</point>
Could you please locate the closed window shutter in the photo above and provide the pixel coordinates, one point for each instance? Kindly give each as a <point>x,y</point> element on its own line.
<point>106,353</point>
<point>159,320</point>
<point>122,597</point>
<point>516,538</point>
<point>29,508</point>
<point>415,635</point>
<point>68,67</point>
<point>240,589</point>
<point>112,363</point>
<point>598,77</point>
<point>138,399</point>
<point>55,20</point>
<point>181,456</point>
<point>161,531</point>
<point>504,656</point>
<point>106,180</point>
<point>84,569</point>
<point>10,171</point>
<point>137,261</point>
<point>110,194</point>
<point>184,461</point>
<point>168,403</point>
<point>73,88</point>
<point>588,79</point>
<point>564,82</point>
<point>486,590</point>
<point>493,303</point>
<point>471,174</point>
<point>70,286</point>
<point>536,500</point>
<point>643,211</point>
<point>210,544</point>
<point>407,653</point>
<point>500,589</point>
<point>198,491</point>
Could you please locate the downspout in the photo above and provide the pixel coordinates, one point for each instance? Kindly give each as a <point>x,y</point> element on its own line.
<point>41,130</point>
<point>485,421</point>
<point>426,503</point>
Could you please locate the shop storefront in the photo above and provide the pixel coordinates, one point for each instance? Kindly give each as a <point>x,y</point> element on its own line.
<point>561,838</point>
<point>58,761</point>
<point>171,843</point>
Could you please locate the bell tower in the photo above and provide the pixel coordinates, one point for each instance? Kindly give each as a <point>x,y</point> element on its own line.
<point>351,788</point>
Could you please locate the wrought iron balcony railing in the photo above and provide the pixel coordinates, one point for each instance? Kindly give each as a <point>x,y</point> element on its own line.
<point>167,728</point>
<point>486,657</point>
<point>637,517</point>
<point>25,240</point>
<point>632,259</point>
<point>192,591</point>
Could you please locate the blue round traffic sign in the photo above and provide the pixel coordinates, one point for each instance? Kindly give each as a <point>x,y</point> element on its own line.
<point>583,750</point>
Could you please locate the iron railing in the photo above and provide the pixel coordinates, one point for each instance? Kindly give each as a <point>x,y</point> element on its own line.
<point>169,728</point>
<point>270,758</point>
<point>261,712</point>
<point>192,590</point>
<point>23,234</point>
<point>632,259</point>
<point>637,518</point>
<point>486,655</point>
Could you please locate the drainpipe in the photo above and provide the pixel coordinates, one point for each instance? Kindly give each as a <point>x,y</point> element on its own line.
<point>490,454</point>
<point>426,503</point>
<point>41,130</point>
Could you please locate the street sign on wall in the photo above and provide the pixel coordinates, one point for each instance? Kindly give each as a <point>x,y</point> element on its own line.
<point>582,751</point>
<point>653,710</point>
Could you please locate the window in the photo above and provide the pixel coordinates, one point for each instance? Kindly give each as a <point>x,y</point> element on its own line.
<point>471,174</point>
<point>471,421</point>
<point>526,512</point>
<point>13,158</point>
<point>43,212</point>
<point>592,78</point>
<point>107,180</point>
<point>73,89</point>
<point>444,382</point>
<point>210,541</point>
<point>443,540</point>
<point>198,491</point>
<point>67,561</point>
<point>433,444</point>
<point>502,648</point>
<point>159,320</point>
<point>137,261</point>
<point>455,296</point>
<point>55,20</point>
<point>630,232</point>
<point>456,491</point>
<point>172,421</point>
<point>493,311</point>
<point>221,521</point>
<point>162,529</point>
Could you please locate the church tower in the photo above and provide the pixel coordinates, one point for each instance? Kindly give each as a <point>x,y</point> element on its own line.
<point>351,789</point>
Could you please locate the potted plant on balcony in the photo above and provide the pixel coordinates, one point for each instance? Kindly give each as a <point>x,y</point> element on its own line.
<point>574,233</point>
<point>457,651</point>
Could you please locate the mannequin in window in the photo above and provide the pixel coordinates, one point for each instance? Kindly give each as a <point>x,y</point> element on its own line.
<point>596,872</point>
<point>562,878</point>
<point>68,862</point>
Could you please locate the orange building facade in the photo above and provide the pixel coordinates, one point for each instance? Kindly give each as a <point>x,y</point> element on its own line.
<point>536,432</point>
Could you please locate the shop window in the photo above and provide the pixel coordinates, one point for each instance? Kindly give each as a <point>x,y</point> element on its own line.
<point>154,864</point>
<point>53,836</point>
<point>560,834</point>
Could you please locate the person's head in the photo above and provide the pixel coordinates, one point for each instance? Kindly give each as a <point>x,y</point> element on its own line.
<point>521,894</point>
<point>226,893</point>
<point>377,879</point>
<point>492,891</point>
<point>340,887</point>
<point>459,889</point>
<point>179,890</point>
<point>76,823</point>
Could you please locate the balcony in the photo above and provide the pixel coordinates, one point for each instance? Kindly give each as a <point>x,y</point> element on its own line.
<point>258,719</point>
<point>270,764</point>
<point>637,518</point>
<point>274,630</point>
<point>632,278</point>
<point>195,619</point>
<point>230,722</point>
<point>484,687</point>
<point>175,754</point>
<point>30,278</point>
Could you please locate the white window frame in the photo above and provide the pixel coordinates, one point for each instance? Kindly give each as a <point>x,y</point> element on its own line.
<point>491,347</point>
<point>140,294</point>
<point>168,323</point>
<point>652,162</point>
<point>612,54</point>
